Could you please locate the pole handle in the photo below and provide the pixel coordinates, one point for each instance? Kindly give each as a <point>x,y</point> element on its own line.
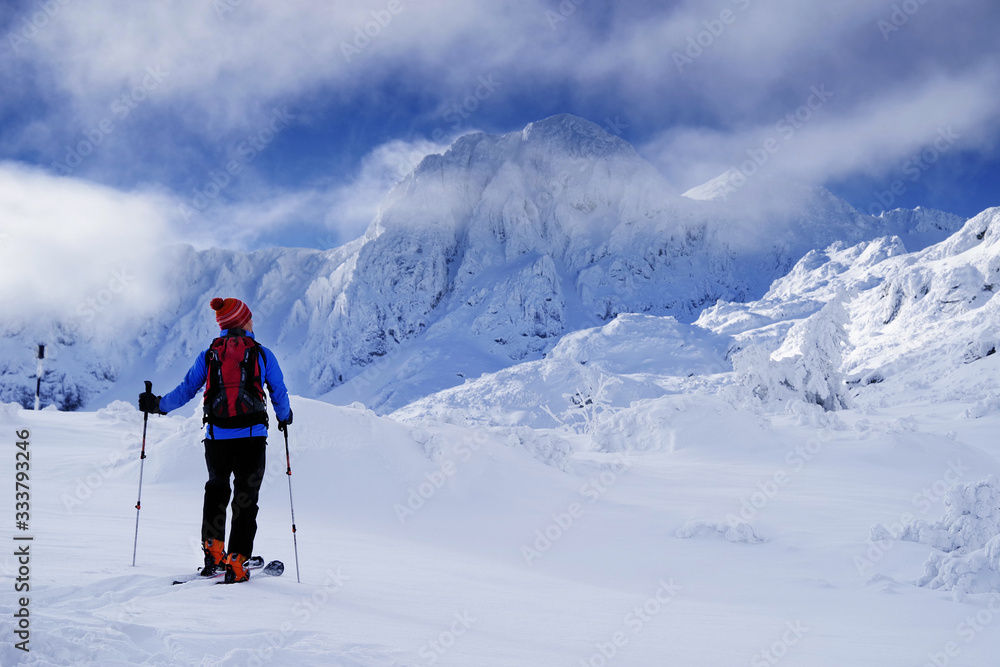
<point>149,387</point>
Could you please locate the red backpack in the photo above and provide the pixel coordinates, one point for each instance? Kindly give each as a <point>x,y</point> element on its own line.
<point>234,390</point>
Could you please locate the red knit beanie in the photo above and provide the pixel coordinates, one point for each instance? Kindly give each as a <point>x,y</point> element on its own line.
<point>230,313</point>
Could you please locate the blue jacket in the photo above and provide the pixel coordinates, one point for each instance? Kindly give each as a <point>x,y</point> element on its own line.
<point>195,379</point>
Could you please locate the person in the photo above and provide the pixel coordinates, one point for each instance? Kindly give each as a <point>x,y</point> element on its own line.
<point>234,370</point>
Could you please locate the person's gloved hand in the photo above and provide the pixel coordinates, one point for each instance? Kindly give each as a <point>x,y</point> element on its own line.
<point>283,425</point>
<point>149,402</point>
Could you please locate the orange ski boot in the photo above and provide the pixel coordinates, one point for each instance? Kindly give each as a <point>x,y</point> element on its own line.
<point>215,554</point>
<point>236,569</point>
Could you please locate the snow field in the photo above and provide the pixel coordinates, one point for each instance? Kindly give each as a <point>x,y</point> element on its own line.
<point>608,580</point>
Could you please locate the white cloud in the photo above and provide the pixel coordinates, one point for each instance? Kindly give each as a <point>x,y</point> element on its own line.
<point>82,250</point>
<point>355,204</point>
<point>323,215</point>
<point>229,62</point>
<point>834,140</point>
<point>229,66</point>
<point>267,217</point>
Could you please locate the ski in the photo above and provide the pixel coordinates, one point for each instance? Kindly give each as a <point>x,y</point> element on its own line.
<point>256,565</point>
<point>273,569</point>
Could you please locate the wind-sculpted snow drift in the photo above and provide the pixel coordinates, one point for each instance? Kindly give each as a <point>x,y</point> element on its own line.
<point>966,540</point>
<point>481,257</point>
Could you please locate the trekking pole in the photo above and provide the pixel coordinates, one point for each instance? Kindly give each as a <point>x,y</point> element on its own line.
<point>142,465</point>
<point>295,539</point>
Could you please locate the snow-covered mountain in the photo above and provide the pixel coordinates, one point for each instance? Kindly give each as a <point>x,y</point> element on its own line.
<point>917,326</point>
<point>504,243</point>
<point>482,257</point>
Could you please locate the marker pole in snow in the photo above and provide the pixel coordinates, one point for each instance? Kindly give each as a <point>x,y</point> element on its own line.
<point>295,539</point>
<point>38,374</point>
<point>142,465</point>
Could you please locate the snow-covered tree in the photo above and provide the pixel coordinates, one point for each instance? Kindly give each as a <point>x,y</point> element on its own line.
<point>807,366</point>
<point>756,374</point>
<point>822,337</point>
<point>587,405</point>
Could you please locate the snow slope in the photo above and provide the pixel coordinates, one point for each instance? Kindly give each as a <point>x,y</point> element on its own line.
<point>431,543</point>
<point>588,373</point>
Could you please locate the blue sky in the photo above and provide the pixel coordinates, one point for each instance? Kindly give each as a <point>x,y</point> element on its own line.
<point>317,108</point>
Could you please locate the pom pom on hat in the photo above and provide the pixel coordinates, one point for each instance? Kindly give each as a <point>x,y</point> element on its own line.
<point>230,313</point>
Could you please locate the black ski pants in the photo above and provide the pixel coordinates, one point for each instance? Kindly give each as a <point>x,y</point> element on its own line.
<point>243,459</point>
